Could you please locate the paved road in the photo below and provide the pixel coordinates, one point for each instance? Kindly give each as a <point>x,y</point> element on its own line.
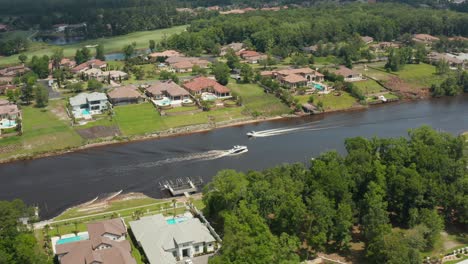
<point>53,94</point>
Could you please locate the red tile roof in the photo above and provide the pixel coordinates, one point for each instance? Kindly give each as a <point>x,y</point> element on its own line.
<point>201,83</point>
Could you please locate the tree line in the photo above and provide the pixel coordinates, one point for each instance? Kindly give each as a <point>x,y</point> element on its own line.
<point>394,194</point>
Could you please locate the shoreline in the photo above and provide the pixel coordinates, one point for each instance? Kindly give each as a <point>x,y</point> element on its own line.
<point>182,131</point>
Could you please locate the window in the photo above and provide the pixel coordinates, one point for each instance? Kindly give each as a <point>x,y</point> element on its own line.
<point>197,248</point>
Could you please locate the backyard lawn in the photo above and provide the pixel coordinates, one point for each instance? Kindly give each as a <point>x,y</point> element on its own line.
<point>255,100</point>
<point>369,87</point>
<point>112,44</point>
<point>216,115</point>
<point>137,119</point>
<point>181,109</point>
<point>330,101</point>
<point>420,75</point>
<point>41,127</point>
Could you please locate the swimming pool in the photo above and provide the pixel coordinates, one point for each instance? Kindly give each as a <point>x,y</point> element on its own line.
<point>72,239</point>
<point>319,87</point>
<point>173,221</point>
<point>85,112</point>
<point>163,102</point>
<point>5,123</point>
<point>209,97</point>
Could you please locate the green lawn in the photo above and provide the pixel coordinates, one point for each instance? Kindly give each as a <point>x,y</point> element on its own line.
<point>41,127</point>
<point>330,101</point>
<point>369,87</point>
<point>420,75</point>
<point>216,115</point>
<point>181,109</point>
<point>326,60</point>
<point>256,100</point>
<point>112,44</point>
<point>137,119</point>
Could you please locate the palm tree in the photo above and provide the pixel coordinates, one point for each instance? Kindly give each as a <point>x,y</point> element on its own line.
<point>174,202</point>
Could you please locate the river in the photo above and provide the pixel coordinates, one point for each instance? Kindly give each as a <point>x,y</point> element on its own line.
<point>56,183</point>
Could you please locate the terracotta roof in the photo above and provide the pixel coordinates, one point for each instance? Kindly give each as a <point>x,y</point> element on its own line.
<point>201,83</point>
<point>9,109</point>
<point>294,78</point>
<point>266,73</point>
<point>90,63</point>
<point>249,53</point>
<point>459,38</point>
<point>296,71</point>
<point>183,65</point>
<point>425,37</point>
<point>170,87</point>
<point>128,91</point>
<point>4,102</point>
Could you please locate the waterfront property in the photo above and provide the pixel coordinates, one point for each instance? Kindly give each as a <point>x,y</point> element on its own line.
<point>294,78</point>
<point>166,240</point>
<point>167,93</point>
<point>104,243</point>
<point>8,114</point>
<point>84,105</point>
<point>208,88</point>
<point>348,74</point>
<point>123,95</point>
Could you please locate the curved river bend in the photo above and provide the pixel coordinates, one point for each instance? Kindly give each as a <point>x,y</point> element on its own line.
<point>56,183</point>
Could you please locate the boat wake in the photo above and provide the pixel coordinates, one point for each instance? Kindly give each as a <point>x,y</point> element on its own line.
<point>286,130</point>
<point>201,156</point>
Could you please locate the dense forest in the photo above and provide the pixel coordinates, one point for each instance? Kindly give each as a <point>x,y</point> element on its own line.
<point>394,194</point>
<point>288,31</point>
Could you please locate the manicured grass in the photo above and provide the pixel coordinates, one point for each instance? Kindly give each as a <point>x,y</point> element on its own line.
<point>41,127</point>
<point>181,109</point>
<point>256,100</point>
<point>9,35</point>
<point>369,87</point>
<point>420,75</point>
<point>216,115</point>
<point>330,101</point>
<point>137,119</point>
<point>374,70</point>
<point>102,121</point>
<point>112,44</point>
<point>326,60</point>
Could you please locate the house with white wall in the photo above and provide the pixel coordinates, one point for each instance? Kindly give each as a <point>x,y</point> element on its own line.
<point>165,241</point>
<point>84,105</point>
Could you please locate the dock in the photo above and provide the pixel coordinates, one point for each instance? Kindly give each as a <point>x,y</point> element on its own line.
<point>181,186</point>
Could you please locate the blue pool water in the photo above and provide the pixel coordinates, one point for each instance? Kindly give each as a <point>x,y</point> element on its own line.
<point>9,123</point>
<point>319,87</point>
<point>177,220</point>
<point>209,97</point>
<point>72,239</point>
<point>164,102</point>
<point>85,112</point>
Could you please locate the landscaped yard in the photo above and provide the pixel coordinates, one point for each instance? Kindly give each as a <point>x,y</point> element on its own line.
<point>420,75</point>
<point>41,127</point>
<point>137,119</point>
<point>216,115</point>
<point>112,44</point>
<point>369,87</point>
<point>256,100</point>
<point>330,101</point>
<point>181,109</point>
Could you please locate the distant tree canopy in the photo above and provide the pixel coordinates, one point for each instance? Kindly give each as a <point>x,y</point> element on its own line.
<point>416,183</point>
<point>286,32</point>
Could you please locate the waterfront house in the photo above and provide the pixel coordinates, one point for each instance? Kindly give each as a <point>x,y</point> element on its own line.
<point>167,91</point>
<point>165,241</point>
<point>91,64</point>
<point>84,105</point>
<point>123,95</point>
<point>293,78</point>
<point>251,56</point>
<point>208,88</point>
<point>105,243</point>
<point>348,74</point>
<point>8,111</point>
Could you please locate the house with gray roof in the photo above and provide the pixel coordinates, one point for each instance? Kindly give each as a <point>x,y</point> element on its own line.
<point>169,240</point>
<point>84,105</point>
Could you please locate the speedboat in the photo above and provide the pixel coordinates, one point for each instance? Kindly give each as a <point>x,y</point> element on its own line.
<point>251,134</point>
<point>238,150</point>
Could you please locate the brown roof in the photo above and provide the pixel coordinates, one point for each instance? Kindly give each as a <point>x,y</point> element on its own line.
<point>425,37</point>
<point>9,109</point>
<point>344,71</point>
<point>249,53</point>
<point>296,71</point>
<point>12,71</point>
<point>201,83</point>
<point>166,53</point>
<point>183,65</point>
<point>294,78</point>
<point>4,102</point>
<point>170,87</point>
<point>84,252</point>
<point>91,63</point>
<point>128,91</point>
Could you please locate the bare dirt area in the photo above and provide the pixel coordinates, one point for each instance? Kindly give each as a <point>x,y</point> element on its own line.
<point>397,85</point>
<point>99,132</point>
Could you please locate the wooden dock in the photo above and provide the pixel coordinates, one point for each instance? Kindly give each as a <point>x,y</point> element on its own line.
<point>181,186</point>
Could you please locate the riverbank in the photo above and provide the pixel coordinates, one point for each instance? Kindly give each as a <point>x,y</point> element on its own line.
<point>173,132</point>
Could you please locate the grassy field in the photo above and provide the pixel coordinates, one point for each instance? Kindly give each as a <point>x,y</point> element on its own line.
<point>216,115</point>
<point>369,87</point>
<point>41,127</point>
<point>330,101</point>
<point>137,119</point>
<point>256,100</point>
<point>326,60</point>
<point>112,44</point>
<point>181,109</point>
<point>420,75</point>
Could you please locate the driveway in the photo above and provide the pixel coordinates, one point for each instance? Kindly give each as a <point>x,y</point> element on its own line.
<point>53,94</point>
<point>198,260</point>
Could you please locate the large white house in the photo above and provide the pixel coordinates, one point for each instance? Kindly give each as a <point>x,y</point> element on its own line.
<point>167,240</point>
<point>84,105</point>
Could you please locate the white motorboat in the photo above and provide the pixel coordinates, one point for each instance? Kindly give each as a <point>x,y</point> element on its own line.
<point>238,150</point>
<point>251,134</point>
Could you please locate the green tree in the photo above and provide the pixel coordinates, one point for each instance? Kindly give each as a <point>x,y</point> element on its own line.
<point>22,58</point>
<point>27,90</point>
<point>221,72</point>
<point>41,94</point>
<point>57,56</point>
<point>299,60</point>
<point>94,85</point>
<point>232,59</point>
<point>152,45</point>
<point>100,52</point>
<point>442,67</point>
<point>128,51</point>
<point>246,72</point>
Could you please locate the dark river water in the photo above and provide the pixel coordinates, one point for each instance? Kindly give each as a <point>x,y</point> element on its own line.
<point>56,183</point>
